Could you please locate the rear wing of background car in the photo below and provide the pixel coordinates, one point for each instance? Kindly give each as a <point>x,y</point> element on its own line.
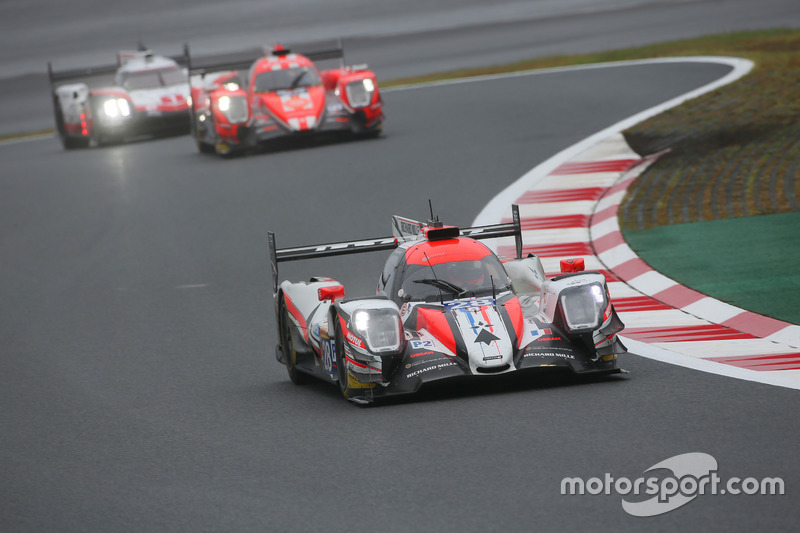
<point>88,72</point>
<point>244,59</point>
<point>492,231</point>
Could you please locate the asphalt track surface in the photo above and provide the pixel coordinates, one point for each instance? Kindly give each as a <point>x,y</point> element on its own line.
<point>138,380</point>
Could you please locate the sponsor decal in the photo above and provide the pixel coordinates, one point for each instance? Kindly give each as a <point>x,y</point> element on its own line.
<point>492,357</point>
<point>542,339</point>
<point>358,244</point>
<point>550,354</point>
<point>297,102</point>
<point>486,337</point>
<point>355,341</point>
<point>420,353</point>
<point>426,361</point>
<point>422,370</point>
<point>408,227</point>
<point>469,303</point>
<point>421,344</point>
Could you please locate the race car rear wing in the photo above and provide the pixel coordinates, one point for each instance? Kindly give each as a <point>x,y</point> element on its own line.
<point>244,59</point>
<point>88,72</point>
<point>492,231</point>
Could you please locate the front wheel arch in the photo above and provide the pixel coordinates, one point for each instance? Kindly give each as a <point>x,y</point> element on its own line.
<point>287,345</point>
<point>341,365</point>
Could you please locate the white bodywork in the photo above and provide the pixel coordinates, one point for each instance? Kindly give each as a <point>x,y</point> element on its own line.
<point>71,98</point>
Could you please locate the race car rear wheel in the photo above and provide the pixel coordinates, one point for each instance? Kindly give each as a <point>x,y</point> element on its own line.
<point>287,346</point>
<point>71,143</point>
<point>341,367</point>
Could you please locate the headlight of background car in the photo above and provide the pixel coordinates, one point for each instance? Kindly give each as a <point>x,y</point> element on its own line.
<point>583,307</point>
<point>359,93</point>
<point>234,108</point>
<point>381,328</point>
<point>116,107</point>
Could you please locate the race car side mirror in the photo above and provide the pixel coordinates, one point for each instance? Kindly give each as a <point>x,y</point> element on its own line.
<point>331,292</point>
<point>573,265</point>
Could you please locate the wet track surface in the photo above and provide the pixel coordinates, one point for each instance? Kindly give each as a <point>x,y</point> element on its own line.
<point>138,380</point>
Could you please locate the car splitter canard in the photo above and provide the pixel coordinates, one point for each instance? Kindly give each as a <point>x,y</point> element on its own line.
<point>446,307</point>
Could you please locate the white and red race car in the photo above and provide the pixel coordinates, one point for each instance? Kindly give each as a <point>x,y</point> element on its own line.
<point>446,308</point>
<point>281,94</point>
<point>149,95</point>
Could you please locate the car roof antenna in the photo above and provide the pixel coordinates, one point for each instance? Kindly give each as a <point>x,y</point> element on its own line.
<point>434,220</point>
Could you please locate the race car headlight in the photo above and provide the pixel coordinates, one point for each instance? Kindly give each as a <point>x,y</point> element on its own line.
<point>359,93</point>
<point>234,108</point>
<point>583,307</point>
<point>116,107</point>
<point>381,328</point>
<point>225,104</point>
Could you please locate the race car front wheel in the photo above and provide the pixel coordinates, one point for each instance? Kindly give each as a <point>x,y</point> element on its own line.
<point>204,148</point>
<point>341,367</point>
<point>287,346</point>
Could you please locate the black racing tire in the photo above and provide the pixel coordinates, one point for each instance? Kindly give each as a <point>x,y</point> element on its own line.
<point>102,139</point>
<point>287,346</point>
<point>69,143</point>
<point>72,143</point>
<point>341,367</point>
<point>97,136</point>
<point>205,148</point>
<point>202,135</point>
<point>374,132</point>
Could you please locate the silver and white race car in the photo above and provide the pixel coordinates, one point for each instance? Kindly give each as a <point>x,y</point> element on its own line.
<point>446,308</point>
<point>148,95</point>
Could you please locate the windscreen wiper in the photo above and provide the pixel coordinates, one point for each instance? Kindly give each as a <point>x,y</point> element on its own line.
<point>296,81</point>
<point>442,284</point>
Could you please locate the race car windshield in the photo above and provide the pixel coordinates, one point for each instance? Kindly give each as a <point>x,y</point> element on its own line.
<point>288,78</point>
<point>456,279</point>
<point>152,79</point>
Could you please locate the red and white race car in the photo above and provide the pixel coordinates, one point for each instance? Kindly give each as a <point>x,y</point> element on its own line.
<point>149,95</point>
<point>282,94</point>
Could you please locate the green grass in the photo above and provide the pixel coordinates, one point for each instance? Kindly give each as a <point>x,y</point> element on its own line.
<point>751,262</point>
